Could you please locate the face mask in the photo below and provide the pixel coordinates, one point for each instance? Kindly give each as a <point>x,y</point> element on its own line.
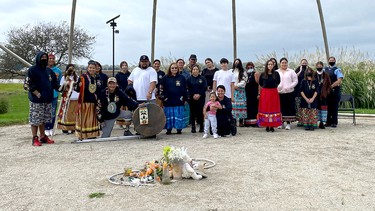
<point>304,67</point>
<point>309,74</point>
<point>43,62</point>
<point>332,63</point>
<point>250,70</point>
<point>319,69</point>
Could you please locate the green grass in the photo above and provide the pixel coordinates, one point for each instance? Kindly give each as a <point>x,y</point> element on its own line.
<point>364,111</point>
<point>96,195</point>
<point>18,104</point>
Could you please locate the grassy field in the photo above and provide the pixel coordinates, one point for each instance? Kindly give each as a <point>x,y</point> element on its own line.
<point>18,104</point>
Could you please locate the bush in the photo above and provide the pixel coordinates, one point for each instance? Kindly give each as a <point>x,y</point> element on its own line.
<point>4,105</point>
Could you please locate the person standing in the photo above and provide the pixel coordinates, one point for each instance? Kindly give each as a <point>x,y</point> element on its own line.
<point>239,103</point>
<point>209,112</point>
<point>99,72</point>
<point>123,75</point>
<point>122,83</point>
<point>40,82</point>
<point>173,91</point>
<point>309,90</point>
<point>156,64</point>
<point>197,87</point>
<point>52,65</point>
<point>224,77</point>
<point>288,80</point>
<point>111,100</point>
<point>66,120</point>
<point>324,82</point>
<point>209,73</point>
<point>181,68</point>
<point>184,72</point>
<point>252,101</point>
<point>143,79</point>
<point>89,88</point>
<point>334,96</point>
<point>300,71</point>
<point>192,62</point>
<point>269,114</point>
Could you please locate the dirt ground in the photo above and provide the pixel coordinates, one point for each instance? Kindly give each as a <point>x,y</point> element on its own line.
<point>331,169</point>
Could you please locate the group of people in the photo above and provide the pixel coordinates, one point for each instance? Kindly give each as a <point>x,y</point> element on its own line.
<point>216,100</point>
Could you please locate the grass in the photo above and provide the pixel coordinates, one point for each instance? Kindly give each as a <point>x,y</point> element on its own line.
<point>96,195</point>
<point>18,104</point>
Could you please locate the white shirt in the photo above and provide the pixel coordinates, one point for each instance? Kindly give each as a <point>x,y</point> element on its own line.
<point>75,94</point>
<point>288,80</point>
<point>142,78</point>
<point>242,82</point>
<point>225,78</point>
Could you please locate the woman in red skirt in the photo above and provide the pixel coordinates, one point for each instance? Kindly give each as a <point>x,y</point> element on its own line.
<point>269,114</point>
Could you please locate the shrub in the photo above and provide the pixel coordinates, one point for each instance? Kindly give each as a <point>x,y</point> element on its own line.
<point>4,105</point>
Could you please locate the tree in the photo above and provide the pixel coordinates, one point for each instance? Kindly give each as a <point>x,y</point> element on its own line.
<point>27,40</point>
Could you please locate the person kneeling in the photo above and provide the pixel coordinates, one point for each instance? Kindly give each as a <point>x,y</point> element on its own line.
<point>110,102</point>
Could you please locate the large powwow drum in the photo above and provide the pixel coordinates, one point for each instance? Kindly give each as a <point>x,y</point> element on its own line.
<point>149,120</point>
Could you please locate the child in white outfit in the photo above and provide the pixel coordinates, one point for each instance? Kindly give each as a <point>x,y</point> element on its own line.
<point>209,112</point>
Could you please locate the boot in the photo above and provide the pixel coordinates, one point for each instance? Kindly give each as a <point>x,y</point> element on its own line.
<point>321,125</point>
<point>193,128</point>
<point>201,128</point>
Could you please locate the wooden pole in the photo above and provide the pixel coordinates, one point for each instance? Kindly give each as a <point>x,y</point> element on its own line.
<point>323,28</point>
<point>234,29</point>
<point>153,31</point>
<point>72,17</point>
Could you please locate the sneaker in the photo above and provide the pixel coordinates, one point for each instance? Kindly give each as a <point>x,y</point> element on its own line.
<point>36,142</point>
<point>193,130</point>
<point>169,132</point>
<point>205,135</point>
<point>46,140</point>
<point>216,136</point>
<point>287,127</point>
<point>281,126</point>
<point>52,132</point>
<point>179,131</point>
<point>272,130</point>
<point>333,125</point>
<point>267,129</point>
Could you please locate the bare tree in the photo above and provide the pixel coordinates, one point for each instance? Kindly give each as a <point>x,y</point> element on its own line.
<point>27,40</point>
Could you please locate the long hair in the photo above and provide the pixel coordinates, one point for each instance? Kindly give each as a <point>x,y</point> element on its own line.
<point>70,70</point>
<point>265,73</point>
<point>275,66</point>
<point>169,72</point>
<point>309,70</point>
<point>240,68</point>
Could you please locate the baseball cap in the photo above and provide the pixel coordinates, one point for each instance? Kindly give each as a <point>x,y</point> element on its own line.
<point>144,58</point>
<point>193,56</point>
<point>112,79</point>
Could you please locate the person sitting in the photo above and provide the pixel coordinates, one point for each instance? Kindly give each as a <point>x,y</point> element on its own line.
<point>110,101</point>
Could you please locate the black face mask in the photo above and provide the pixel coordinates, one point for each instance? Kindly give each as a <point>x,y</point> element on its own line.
<point>319,69</point>
<point>303,67</point>
<point>331,63</point>
<point>43,62</point>
<point>309,74</point>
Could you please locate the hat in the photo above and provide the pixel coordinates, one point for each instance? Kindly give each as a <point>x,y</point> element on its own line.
<point>144,58</point>
<point>112,79</point>
<point>51,55</point>
<point>193,56</point>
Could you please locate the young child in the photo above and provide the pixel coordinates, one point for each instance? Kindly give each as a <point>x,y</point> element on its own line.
<point>209,113</point>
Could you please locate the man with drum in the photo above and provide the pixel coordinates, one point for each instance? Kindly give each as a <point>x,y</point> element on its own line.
<point>110,102</point>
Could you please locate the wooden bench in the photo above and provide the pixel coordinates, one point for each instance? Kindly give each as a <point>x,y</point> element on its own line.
<point>347,105</point>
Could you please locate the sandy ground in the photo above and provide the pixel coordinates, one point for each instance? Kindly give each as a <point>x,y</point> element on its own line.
<point>331,169</point>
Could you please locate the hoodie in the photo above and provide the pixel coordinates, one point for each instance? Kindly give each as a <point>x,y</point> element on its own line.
<point>42,79</point>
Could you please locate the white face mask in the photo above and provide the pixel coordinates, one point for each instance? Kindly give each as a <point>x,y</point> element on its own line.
<point>250,70</point>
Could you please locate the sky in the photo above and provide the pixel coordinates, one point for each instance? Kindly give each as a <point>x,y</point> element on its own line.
<point>204,27</point>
